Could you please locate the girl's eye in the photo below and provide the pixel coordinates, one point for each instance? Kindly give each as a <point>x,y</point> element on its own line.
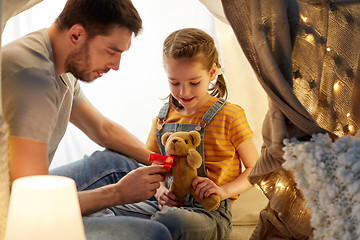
<point>194,83</point>
<point>174,83</point>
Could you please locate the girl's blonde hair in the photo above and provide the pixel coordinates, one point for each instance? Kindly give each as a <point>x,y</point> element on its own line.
<point>195,45</point>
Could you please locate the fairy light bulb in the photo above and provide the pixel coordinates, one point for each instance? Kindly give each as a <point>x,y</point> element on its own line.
<point>337,86</point>
<point>280,185</point>
<point>310,38</point>
<point>351,128</point>
<point>304,18</point>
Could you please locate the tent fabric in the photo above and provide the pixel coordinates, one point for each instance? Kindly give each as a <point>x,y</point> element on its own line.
<point>8,8</point>
<point>305,56</point>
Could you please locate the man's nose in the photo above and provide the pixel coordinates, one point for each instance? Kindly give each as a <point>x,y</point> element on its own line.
<point>115,63</point>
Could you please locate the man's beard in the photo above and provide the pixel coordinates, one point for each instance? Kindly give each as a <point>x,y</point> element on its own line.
<point>78,63</point>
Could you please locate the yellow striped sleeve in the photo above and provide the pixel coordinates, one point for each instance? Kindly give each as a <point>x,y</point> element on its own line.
<point>151,143</point>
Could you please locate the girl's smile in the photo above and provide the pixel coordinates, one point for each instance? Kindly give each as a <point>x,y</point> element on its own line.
<point>189,83</point>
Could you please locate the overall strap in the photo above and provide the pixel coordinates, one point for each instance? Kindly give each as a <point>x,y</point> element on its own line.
<point>163,112</point>
<point>213,110</point>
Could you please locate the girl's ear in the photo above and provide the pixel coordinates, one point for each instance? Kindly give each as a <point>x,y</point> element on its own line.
<point>76,34</point>
<point>213,71</point>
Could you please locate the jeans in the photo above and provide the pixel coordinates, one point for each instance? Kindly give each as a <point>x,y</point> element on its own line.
<point>189,222</point>
<point>99,169</point>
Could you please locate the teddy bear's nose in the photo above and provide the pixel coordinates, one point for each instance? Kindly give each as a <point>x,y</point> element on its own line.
<point>174,140</point>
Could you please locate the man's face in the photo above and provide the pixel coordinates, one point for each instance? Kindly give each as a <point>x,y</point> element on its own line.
<point>98,55</point>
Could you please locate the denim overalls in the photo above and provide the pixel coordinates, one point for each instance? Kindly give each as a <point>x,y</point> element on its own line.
<point>222,229</point>
<point>162,128</point>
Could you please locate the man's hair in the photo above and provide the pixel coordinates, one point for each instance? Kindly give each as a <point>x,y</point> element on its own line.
<point>99,16</point>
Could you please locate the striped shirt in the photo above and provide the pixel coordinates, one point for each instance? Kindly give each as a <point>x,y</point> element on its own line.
<point>228,129</point>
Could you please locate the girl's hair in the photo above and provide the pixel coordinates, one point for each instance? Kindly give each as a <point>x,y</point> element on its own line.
<point>195,45</point>
<point>99,16</point>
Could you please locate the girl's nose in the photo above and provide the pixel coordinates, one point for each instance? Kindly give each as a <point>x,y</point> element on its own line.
<point>184,91</point>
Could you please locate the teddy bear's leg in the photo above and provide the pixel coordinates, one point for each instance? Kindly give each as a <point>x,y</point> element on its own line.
<point>179,192</point>
<point>210,203</point>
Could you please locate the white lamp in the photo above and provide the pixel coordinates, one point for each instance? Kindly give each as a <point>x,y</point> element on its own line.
<point>44,207</point>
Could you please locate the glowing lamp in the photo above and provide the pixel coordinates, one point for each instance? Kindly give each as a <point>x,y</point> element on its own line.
<point>44,207</point>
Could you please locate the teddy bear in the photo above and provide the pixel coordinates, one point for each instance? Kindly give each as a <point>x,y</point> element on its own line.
<point>182,146</point>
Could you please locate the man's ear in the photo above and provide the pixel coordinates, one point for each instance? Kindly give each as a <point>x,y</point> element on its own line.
<point>77,34</point>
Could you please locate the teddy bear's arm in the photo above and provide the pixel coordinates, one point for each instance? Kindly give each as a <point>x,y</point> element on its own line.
<point>194,159</point>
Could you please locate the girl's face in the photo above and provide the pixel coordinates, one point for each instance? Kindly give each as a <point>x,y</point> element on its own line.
<point>189,82</point>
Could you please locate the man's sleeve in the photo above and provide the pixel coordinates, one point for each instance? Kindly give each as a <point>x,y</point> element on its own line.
<point>30,104</point>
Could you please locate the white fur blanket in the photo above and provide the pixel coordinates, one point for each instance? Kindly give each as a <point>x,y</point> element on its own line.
<point>328,174</point>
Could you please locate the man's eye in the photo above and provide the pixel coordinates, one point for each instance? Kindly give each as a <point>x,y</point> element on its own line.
<point>111,53</point>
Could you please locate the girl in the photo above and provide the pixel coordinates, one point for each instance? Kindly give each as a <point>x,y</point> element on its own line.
<point>195,103</point>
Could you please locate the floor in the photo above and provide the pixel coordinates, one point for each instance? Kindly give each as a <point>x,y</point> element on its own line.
<point>242,232</point>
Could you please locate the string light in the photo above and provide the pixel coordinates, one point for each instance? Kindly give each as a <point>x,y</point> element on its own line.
<point>328,49</point>
<point>310,38</point>
<point>337,86</point>
<point>351,128</point>
<point>280,185</point>
<point>257,186</point>
<point>304,18</point>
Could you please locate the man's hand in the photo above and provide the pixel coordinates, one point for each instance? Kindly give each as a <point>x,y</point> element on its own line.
<point>140,184</point>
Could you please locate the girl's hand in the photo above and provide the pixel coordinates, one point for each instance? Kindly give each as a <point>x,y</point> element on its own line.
<point>204,187</point>
<point>166,198</point>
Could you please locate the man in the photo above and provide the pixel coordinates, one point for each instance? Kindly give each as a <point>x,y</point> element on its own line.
<point>41,93</point>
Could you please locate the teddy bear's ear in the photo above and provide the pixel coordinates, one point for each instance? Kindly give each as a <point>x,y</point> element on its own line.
<point>195,137</point>
<point>165,137</point>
